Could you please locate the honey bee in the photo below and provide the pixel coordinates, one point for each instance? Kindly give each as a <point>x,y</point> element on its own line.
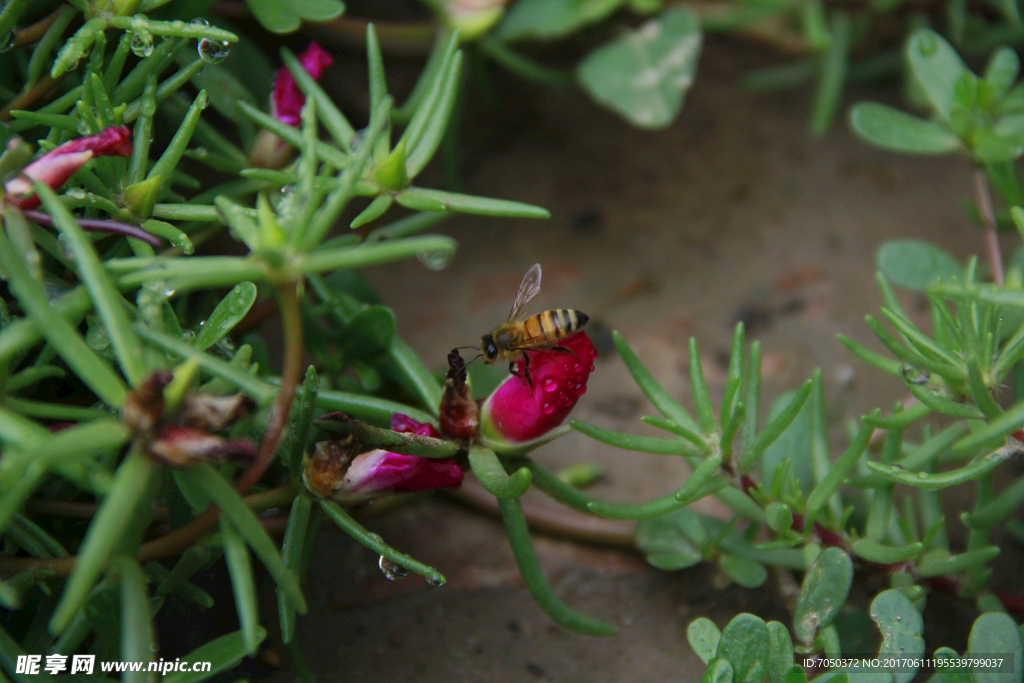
<point>541,331</point>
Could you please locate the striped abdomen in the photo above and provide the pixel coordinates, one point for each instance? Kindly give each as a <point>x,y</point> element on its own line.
<point>548,327</point>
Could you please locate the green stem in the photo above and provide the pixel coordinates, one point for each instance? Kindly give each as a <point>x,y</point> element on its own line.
<point>533,577</point>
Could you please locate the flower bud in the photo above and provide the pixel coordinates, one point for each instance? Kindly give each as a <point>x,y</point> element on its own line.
<point>336,471</point>
<point>60,163</point>
<point>177,446</point>
<point>518,412</point>
<point>286,102</point>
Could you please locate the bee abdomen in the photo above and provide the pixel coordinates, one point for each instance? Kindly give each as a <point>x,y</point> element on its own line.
<point>555,324</point>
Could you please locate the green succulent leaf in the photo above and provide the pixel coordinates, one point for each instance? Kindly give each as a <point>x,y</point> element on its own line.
<point>996,633</point>
<point>822,593</point>
<point>915,264</point>
<point>703,636</point>
<point>901,626</point>
<point>936,67</point>
<point>550,19</point>
<point>644,75</point>
<point>745,644</point>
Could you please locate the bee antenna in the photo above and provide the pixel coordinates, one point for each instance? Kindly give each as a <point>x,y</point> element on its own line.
<point>475,348</point>
<point>474,357</point>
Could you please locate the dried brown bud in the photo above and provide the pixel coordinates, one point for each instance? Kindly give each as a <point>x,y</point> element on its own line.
<point>183,447</point>
<point>326,469</point>
<point>144,406</point>
<point>459,413</point>
<point>213,413</point>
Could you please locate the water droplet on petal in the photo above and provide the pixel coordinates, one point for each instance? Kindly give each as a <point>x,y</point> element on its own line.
<point>547,408</point>
<point>591,367</point>
<point>141,43</point>
<point>392,570</point>
<point>550,384</point>
<point>577,368</point>
<point>213,51</point>
<point>565,366</point>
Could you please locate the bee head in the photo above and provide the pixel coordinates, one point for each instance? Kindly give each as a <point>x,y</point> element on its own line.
<point>488,349</point>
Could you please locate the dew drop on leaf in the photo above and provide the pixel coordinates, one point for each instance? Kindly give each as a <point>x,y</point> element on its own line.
<point>199,22</point>
<point>213,51</point>
<point>141,43</point>
<point>392,570</point>
<point>7,42</point>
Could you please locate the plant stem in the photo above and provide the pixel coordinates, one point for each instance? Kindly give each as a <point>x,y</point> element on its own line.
<point>983,197</point>
<point>551,520</point>
<point>33,32</point>
<point>291,323</point>
<point>26,98</point>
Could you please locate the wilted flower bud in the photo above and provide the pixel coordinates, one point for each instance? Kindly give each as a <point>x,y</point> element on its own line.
<point>460,413</point>
<point>60,163</point>
<point>517,412</point>
<point>209,411</point>
<point>144,406</point>
<point>183,447</point>
<point>336,472</point>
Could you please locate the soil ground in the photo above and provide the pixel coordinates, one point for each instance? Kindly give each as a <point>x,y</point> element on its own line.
<point>733,213</point>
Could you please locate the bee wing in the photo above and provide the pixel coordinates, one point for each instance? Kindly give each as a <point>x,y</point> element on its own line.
<point>529,288</point>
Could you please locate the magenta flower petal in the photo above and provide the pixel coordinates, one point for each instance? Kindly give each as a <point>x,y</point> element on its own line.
<point>517,412</point>
<point>287,100</point>
<point>60,163</point>
<point>379,472</point>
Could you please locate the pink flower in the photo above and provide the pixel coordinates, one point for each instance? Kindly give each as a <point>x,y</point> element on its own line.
<point>60,163</point>
<point>516,412</point>
<point>287,101</point>
<point>378,473</point>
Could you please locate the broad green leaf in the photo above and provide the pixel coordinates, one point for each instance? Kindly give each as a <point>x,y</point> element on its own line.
<point>719,671</point>
<point>794,444</point>
<point>780,654</point>
<point>644,75</point>
<point>954,673</point>
<point>744,571</point>
<point>995,634</point>
<point>915,264</point>
<point>316,10</point>
<point>936,67</point>
<point>703,636</point>
<point>228,313</point>
<point>822,593</point>
<point>369,333</point>
<point>672,541</point>
<point>898,131</point>
<point>222,653</point>
<point>1002,69</point>
<point>745,644</point>
<point>549,19</point>
<point>274,15</point>
<point>901,626</point>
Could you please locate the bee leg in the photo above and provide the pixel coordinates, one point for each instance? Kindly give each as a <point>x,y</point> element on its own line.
<point>526,370</point>
<point>562,349</point>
